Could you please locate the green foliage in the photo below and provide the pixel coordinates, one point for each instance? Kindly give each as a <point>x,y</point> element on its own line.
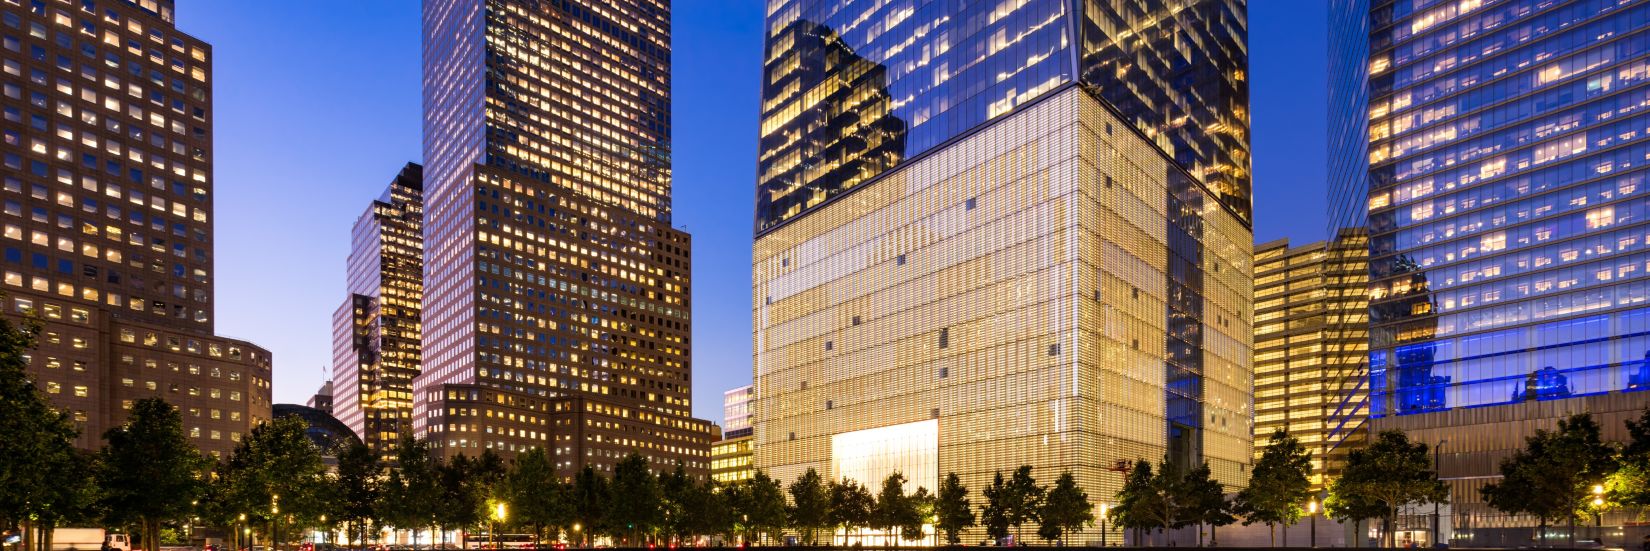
<point>1383,477</point>
<point>917,511</point>
<point>810,505</point>
<point>149,471</point>
<point>411,495</point>
<point>1201,501</point>
<point>1629,485</point>
<point>537,498</point>
<point>714,510</point>
<point>356,488</point>
<point>952,511</point>
<point>851,506</point>
<point>762,507</point>
<point>995,514</point>
<point>1023,499</point>
<point>636,498</point>
<point>1552,477</point>
<point>36,440</point>
<point>590,498</point>
<point>1279,485</point>
<point>678,503</point>
<point>1065,509</point>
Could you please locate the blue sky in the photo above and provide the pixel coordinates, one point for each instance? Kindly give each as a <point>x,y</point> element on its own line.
<point>317,106</point>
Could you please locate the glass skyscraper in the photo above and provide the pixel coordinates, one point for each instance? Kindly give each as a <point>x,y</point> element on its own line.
<point>852,88</point>
<point>375,332</point>
<point>995,235</point>
<point>1497,151</point>
<point>556,306</point>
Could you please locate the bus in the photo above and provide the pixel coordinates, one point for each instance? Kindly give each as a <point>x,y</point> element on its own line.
<point>500,541</point>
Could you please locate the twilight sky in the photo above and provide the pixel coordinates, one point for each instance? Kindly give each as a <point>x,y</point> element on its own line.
<point>317,106</point>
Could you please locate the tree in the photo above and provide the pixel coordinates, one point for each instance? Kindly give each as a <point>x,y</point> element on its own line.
<point>356,487</point>
<point>636,498</point>
<point>275,475</point>
<point>810,505</point>
<point>1278,484</point>
<point>1136,501</point>
<point>763,511</point>
<point>919,510</point>
<point>1201,501</point>
<point>677,503</point>
<point>995,514</point>
<point>1066,509</point>
<point>412,494</point>
<point>1552,477</point>
<point>850,508</point>
<point>38,438</point>
<point>1629,485</point>
<point>590,501</point>
<point>1022,500</point>
<point>893,509</point>
<point>952,511</point>
<point>1379,479</point>
<point>150,472</point>
<point>537,498</point>
<point>712,510</point>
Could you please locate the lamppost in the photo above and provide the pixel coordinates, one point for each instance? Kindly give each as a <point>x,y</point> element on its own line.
<point>1104,508</point>
<point>1436,517</point>
<point>1312,513</point>
<point>275,522</point>
<point>1598,513</point>
<point>498,517</point>
<point>578,536</point>
<point>325,530</point>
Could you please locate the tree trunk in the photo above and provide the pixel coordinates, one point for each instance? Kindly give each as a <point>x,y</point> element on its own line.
<point>1272,530</point>
<point>1572,531</point>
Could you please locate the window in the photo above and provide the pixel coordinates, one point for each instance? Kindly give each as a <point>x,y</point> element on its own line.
<point>1054,350</point>
<point>828,345</point>
<point>81,391</point>
<point>900,260</point>
<point>856,320</point>
<point>945,337</point>
<point>829,404</point>
<point>945,372</point>
<point>969,204</point>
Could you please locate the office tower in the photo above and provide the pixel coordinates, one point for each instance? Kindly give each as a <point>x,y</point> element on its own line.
<point>108,218</point>
<point>984,239</point>
<point>1311,319</point>
<point>375,332</point>
<point>730,455</point>
<point>322,399</point>
<point>556,309</point>
<point>736,411</point>
<point>1496,150</point>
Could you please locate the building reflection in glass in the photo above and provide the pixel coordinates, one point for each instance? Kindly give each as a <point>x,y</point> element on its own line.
<point>853,88</point>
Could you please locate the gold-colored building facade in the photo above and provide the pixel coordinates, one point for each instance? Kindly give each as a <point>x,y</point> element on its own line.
<point>730,459</point>
<point>1008,299</point>
<point>1311,314</point>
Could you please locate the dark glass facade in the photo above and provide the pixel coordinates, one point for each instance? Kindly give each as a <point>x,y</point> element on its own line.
<point>375,332</point>
<point>1501,172</point>
<point>851,89</point>
<point>556,291</point>
<point>1506,200</point>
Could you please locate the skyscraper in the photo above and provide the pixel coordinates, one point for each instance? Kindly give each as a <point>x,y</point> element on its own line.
<point>375,332</point>
<point>108,195</point>
<point>1497,152</point>
<point>1311,320</point>
<point>556,290</point>
<point>1002,235</point>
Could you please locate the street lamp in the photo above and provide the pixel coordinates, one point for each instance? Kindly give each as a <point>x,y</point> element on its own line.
<point>1598,512</point>
<point>275,522</point>
<point>1312,512</point>
<point>498,517</point>
<point>580,537</point>
<point>1104,508</point>
<point>1436,474</point>
<point>239,543</point>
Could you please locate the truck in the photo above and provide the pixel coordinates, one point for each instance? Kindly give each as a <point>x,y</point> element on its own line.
<point>88,539</point>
